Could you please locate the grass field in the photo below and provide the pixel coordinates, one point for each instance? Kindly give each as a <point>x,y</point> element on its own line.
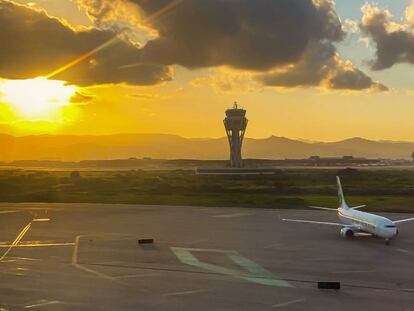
<point>381,190</point>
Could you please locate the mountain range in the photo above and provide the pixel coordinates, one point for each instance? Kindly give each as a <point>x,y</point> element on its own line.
<point>163,146</point>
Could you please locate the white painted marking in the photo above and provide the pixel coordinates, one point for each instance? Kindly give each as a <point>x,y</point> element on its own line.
<point>273,246</point>
<point>285,304</point>
<point>97,273</point>
<point>24,258</point>
<point>41,219</point>
<point>75,251</point>
<point>189,292</point>
<point>21,269</point>
<point>42,303</point>
<point>405,251</point>
<point>320,259</point>
<point>130,276</point>
<point>9,212</point>
<point>353,271</point>
<point>91,271</point>
<point>233,215</point>
<point>408,290</point>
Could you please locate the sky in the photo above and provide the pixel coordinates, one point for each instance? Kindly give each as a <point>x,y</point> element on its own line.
<point>310,69</point>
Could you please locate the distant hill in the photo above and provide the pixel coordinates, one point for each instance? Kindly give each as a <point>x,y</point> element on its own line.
<point>161,146</point>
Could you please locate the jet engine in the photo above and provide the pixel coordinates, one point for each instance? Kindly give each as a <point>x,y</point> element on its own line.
<point>347,233</point>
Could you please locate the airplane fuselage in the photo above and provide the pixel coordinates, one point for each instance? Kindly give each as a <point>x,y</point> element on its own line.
<point>367,222</point>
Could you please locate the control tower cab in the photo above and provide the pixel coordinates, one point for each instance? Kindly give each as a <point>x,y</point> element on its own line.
<point>235,124</point>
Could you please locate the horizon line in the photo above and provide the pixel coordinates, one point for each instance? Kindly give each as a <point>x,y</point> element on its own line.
<point>303,140</point>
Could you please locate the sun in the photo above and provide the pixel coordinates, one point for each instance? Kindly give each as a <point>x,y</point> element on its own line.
<point>38,99</point>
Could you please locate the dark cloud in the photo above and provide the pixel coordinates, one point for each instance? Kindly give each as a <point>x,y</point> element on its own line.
<point>34,44</point>
<point>348,77</point>
<point>321,65</point>
<point>311,70</point>
<point>244,34</point>
<point>394,42</point>
<point>80,98</point>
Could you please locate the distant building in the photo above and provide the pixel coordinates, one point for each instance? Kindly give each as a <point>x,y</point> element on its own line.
<point>235,124</point>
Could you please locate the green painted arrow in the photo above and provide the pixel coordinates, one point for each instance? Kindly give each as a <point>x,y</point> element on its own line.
<point>252,271</point>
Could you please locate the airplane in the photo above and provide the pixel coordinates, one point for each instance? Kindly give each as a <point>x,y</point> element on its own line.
<point>353,221</point>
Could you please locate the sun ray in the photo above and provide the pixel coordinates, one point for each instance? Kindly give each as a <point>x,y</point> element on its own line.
<point>82,58</point>
<point>162,12</point>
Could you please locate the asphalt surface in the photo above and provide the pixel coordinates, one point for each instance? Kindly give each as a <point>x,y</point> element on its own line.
<point>87,257</point>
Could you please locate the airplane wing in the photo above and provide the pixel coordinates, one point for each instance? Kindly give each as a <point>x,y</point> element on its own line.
<point>359,206</point>
<point>403,220</point>
<point>334,209</point>
<point>315,222</point>
<point>324,208</point>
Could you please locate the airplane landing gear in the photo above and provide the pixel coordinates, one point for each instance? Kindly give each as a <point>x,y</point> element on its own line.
<point>387,242</point>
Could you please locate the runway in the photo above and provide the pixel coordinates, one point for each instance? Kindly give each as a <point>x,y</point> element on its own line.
<point>87,257</point>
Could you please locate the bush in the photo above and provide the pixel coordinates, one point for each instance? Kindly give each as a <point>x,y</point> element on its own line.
<point>75,175</point>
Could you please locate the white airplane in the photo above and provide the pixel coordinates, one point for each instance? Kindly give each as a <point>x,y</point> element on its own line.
<point>353,221</point>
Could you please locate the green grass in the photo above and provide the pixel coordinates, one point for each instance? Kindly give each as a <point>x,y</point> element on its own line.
<point>387,190</point>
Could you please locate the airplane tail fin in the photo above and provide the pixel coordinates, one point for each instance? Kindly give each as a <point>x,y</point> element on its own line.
<point>341,197</point>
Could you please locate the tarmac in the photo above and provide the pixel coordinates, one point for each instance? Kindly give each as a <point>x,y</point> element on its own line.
<point>87,257</point>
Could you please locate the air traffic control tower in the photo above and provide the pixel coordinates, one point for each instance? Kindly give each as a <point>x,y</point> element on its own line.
<point>235,124</point>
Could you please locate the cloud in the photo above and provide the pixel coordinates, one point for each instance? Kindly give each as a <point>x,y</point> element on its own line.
<point>345,76</point>
<point>148,96</point>
<point>81,98</point>
<point>252,35</point>
<point>35,44</point>
<point>394,41</point>
<point>224,81</point>
<point>321,65</point>
<point>119,15</point>
<point>286,43</point>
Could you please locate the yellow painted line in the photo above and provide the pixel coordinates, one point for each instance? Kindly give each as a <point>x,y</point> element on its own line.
<point>17,240</point>
<point>9,212</point>
<point>39,245</point>
<point>233,215</point>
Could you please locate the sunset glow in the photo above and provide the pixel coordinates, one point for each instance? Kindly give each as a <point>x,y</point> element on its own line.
<point>174,67</point>
<point>37,99</point>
